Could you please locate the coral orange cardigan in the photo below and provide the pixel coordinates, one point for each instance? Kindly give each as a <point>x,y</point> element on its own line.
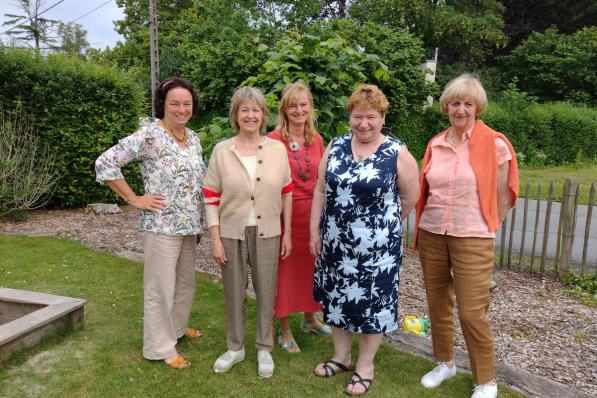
<point>484,164</point>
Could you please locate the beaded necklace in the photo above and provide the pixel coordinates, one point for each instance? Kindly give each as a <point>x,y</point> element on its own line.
<point>294,147</point>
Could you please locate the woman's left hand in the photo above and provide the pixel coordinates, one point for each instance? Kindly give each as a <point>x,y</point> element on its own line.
<point>286,246</point>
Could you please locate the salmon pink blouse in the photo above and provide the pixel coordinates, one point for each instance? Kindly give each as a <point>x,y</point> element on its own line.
<point>453,205</point>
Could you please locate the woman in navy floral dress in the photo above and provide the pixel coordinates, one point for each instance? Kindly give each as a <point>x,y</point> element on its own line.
<point>367,182</point>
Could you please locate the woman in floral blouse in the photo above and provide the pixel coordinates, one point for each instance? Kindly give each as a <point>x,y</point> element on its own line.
<point>173,171</point>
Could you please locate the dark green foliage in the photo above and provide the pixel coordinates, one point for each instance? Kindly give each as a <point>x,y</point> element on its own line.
<point>330,67</point>
<point>546,134</point>
<point>557,67</point>
<point>464,31</point>
<point>542,134</point>
<point>525,17</point>
<point>78,109</point>
<point>493,79</point>
<point>417,129</point>
<point>582,287</point>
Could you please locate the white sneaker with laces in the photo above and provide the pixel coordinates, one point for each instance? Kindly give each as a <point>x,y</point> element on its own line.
<point>440,373</point>
<point>228,359</point>
<point>488,390</point>
<point>265,364</point>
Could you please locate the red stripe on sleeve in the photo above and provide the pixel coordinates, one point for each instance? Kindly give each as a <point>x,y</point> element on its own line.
<point>209,193</point>
<point>288,188</point>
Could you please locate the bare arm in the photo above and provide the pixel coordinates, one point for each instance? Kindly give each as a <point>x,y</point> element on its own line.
<point>216,244</point>
<point>145,202</point>
<point>408,181</point>
<point>286,246</point>
<point>504,198</point>
<point>317,205</point>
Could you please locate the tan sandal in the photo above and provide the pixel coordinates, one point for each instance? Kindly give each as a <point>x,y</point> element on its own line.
<point>193,333</point>
<point>179,362</point>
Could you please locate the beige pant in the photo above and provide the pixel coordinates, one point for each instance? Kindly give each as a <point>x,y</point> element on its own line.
<point>471,262</point>
<point>262,256</point>
<point>169,288</point>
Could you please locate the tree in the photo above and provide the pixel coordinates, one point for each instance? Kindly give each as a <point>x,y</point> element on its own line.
<point>31,25</point>
<point>527,16</point>
<point>556,67</point>
<point>73,38</point>
<point>297,14</point>
<point>134,52</point>
<point>464,30</point>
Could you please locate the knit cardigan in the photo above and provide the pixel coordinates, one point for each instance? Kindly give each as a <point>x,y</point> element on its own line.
<point>484,163</point>
<point>228,195</point>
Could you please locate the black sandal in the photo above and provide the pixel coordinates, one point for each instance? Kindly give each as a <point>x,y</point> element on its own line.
<point>359,380</point>
<point>330,371</point>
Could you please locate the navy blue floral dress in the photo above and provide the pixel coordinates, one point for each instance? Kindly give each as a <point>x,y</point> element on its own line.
<point>358,272</point>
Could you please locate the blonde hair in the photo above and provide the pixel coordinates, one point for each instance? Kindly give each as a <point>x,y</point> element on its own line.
<point>461,87</point>
<point>369,95</point>
<point>289,95</point>
<point>246,94</point>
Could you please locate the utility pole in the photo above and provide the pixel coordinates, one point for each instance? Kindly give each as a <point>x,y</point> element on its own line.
<point>154,51</point>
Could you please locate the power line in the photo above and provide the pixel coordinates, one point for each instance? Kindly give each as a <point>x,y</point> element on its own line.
<point>89,12</point>
<point>41,13</point>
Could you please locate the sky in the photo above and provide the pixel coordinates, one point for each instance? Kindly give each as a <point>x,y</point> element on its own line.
<point>98,24</point>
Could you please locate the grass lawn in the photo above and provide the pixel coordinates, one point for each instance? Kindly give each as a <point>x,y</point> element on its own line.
<point>585,175</point>
<point>104,359</point>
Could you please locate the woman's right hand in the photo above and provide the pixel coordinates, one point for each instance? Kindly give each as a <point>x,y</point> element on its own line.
<point>315,245</point>
<point>218,252</point>
<point>148,202</point>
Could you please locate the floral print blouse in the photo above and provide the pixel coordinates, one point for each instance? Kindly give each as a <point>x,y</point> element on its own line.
<point>168,170</point>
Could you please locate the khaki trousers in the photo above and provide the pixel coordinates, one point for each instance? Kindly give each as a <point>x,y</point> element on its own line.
<point>262,256</point>
<point>470,261</point>
<point>169,288</point>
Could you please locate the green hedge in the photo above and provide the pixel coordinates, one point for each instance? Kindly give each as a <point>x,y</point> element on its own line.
<point>79,109</point>
<point>542,134</point>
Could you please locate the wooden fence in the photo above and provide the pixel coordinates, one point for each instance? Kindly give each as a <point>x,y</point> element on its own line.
<point>529,240</point>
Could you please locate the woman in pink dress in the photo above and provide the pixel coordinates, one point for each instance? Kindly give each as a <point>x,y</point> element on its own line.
<point>296,130</point>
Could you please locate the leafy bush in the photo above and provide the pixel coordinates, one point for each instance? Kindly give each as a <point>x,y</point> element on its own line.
<point>330,67</point>
<point>79,110</point>
<point>546,134</point>
<point>583,287</point>
<point>542,134</point>
<point>557,67</point>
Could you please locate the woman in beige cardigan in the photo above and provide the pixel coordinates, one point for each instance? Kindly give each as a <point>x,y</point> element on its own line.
<point>247,187</point>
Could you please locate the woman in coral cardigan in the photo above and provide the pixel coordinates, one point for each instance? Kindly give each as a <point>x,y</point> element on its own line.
<point>469,181</point>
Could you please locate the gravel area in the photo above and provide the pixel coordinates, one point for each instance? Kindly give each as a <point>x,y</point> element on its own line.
<point>536,326</point>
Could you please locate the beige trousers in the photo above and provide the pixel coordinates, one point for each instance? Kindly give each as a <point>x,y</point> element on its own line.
<point>470,261</point>
<point>262,256</point>
<point>169,288</point>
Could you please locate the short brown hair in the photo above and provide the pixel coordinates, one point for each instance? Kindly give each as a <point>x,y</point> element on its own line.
<point>289,95</point>
<point>464,86</point>
<point>369,95</point>
<point>242,95</point>
<point>162,89</point>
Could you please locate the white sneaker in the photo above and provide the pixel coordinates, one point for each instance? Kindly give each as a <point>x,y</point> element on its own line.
<point>265,364</point>
<point>440,373</point>
<point>228,359</point>
<point>488,390</point>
